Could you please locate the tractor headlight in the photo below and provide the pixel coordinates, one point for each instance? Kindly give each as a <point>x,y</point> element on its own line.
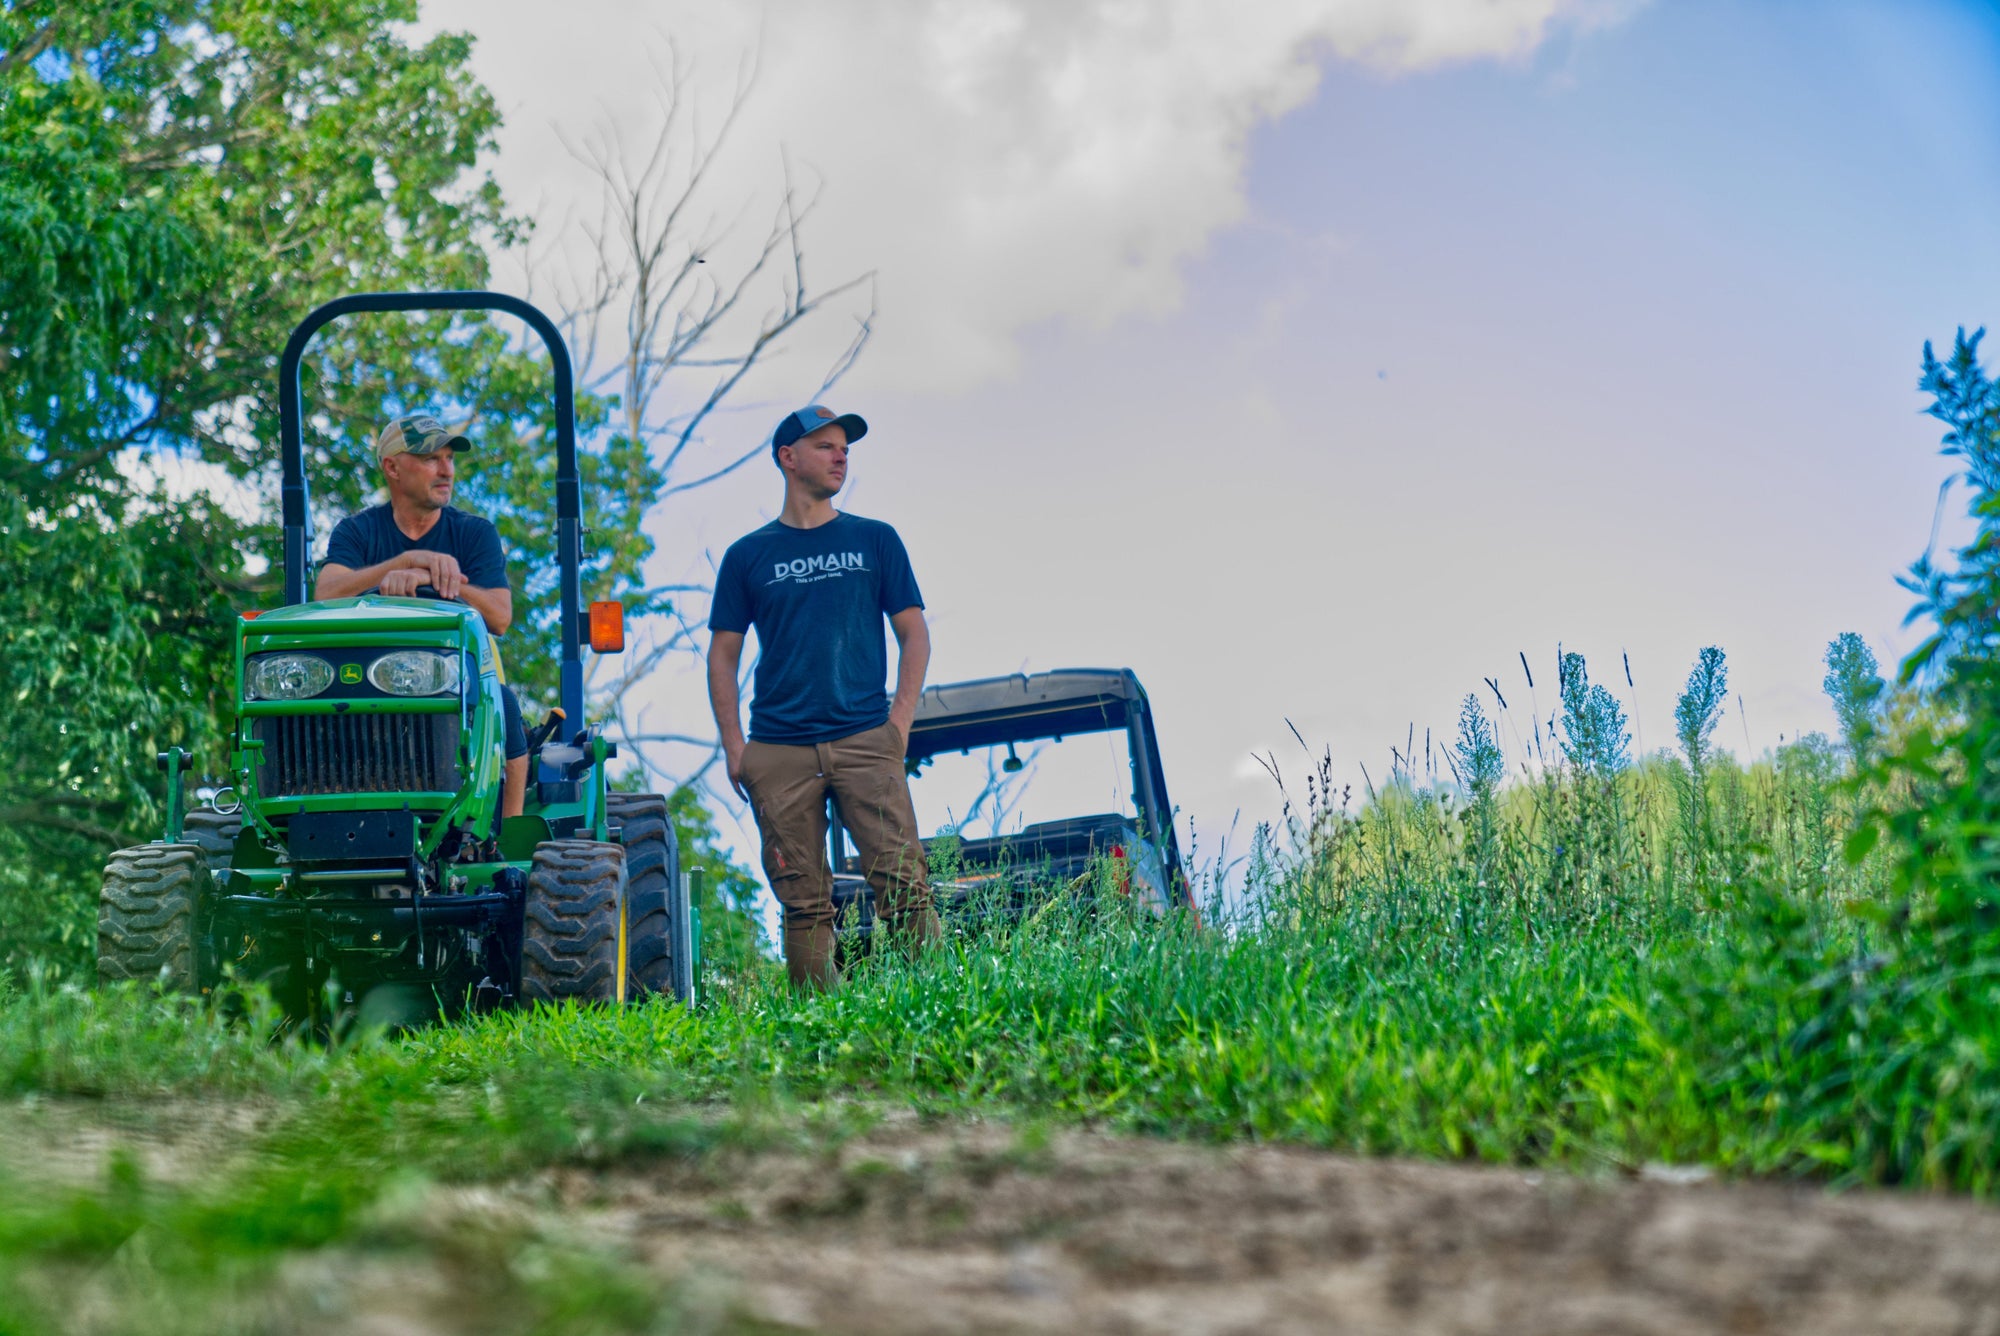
<point>415,672</point>
<point>286,677</point>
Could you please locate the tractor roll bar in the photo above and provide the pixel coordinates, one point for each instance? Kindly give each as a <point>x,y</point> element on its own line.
<point>569,493</point>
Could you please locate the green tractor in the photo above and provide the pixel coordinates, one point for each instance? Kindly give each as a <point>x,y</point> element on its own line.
<point>365,856</point>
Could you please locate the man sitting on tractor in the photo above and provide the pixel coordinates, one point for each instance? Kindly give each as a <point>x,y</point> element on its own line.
<point>420,539</point>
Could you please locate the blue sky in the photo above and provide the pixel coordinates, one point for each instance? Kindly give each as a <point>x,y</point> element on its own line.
<point>1603,331</point>
<point>1616,349</point>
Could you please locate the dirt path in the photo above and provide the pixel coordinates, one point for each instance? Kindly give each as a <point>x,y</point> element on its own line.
<point>978,1227</point>
<point>928,1230</point>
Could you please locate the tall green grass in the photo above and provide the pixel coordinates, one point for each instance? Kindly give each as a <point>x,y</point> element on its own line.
<point>1565,970</point>
<point>1546,973</point>
<point>1560,994</point>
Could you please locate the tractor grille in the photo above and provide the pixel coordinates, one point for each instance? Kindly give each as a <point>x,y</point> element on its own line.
<point>357,753</point>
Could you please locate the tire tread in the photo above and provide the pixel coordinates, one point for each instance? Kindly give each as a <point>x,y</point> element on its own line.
<point>146,915</point>
<point>569,941</point>
<point>652,862</point>
<point>215,833</point>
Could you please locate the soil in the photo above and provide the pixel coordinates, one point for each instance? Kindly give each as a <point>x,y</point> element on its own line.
<point>918,1226</point>
<point>964,1228</point>
<point>172,1141</point>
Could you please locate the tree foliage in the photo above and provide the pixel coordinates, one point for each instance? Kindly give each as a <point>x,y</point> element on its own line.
<point>110,612</point>
<point>180,181</point>
<point>730,940</point>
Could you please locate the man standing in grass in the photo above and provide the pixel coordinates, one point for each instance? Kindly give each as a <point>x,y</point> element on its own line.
<point>816,583</point>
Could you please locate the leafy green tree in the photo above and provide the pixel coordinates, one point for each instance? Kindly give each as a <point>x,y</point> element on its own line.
<point>107,618</point>
<point>180,181</point>
<point>730,939</point>
<point>1854,686</point>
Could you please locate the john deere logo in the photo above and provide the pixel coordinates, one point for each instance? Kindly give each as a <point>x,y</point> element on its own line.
<point>350,673</point>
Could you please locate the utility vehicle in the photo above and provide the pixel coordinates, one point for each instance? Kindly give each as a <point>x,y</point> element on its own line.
<point>365,853</point>
<point>1090,731</point>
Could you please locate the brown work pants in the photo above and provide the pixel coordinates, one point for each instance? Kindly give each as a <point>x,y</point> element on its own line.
<point>788,790</point>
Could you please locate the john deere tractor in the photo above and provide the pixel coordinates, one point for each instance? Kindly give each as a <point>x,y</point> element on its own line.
<point>364,853</point>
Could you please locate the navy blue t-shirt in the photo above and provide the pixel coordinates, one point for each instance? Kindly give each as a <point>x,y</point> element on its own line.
<point>817,598</point>
<point>370,537</point>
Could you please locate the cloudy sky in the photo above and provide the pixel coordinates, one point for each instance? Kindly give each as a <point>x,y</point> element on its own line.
<point>1317,359</point>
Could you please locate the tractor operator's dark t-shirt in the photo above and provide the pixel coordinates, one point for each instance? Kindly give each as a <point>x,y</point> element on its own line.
<point>371,537</point>
<point>817,598</point>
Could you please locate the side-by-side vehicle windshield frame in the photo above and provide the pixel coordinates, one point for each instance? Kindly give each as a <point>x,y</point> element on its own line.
<point>1035,707</point>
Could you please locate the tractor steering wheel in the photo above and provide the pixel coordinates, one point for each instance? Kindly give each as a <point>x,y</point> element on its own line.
<point>423,591</point>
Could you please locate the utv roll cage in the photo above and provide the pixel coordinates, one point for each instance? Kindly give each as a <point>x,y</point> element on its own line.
<point>993,711</point>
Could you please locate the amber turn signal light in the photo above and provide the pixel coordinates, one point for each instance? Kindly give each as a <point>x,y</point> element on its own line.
<point>607,628</point>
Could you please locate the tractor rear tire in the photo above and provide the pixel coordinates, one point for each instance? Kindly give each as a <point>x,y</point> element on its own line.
<point>569,935</point>
<point>154,899</point>
<point>656,898</point>
<point>216,833</point>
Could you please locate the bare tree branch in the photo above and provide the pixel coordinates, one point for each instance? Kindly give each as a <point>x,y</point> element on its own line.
<point>654,307</point>
<point>31,50</point>
<point>38,815</point>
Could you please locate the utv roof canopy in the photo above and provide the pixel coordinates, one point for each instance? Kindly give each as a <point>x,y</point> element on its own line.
<point>1024,708</point>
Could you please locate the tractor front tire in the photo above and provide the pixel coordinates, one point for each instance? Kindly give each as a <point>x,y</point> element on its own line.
<point>215,832</point>
<point>569,932</point>
<point>655,899</point>
<point>154,898</point>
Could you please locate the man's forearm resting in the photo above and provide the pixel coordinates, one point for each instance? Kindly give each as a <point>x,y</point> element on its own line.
<point>340,582</point>
<point>495,605</point>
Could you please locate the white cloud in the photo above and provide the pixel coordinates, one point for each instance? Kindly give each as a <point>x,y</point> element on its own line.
<point>1000,163</point>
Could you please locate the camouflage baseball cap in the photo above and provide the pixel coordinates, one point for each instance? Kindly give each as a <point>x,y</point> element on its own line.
<point>417,434</point>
